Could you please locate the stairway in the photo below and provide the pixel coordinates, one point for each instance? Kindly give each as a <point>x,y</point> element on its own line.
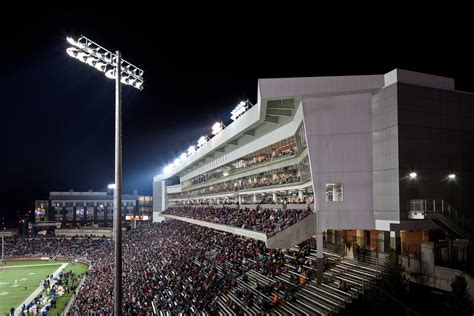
<point>440,213</point>
<point>309,299</point>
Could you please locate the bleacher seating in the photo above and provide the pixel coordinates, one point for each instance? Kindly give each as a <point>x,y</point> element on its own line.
<point>189,269</point>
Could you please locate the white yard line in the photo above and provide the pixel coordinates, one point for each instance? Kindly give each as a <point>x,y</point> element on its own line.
<point>30,265</point>
<point>37,291</point>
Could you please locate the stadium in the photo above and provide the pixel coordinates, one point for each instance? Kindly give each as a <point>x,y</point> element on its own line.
<point>362,151</point>
<point>292,208</point>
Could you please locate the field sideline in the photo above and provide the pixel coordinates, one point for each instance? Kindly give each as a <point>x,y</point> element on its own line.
<point>18,279</point>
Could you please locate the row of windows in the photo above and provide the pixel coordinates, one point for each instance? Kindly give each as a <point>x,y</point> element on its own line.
<point>290,174</point>
<point>81,204</point>
<point>334,191</point>
<point>283,149</point>
<point>88,215</point>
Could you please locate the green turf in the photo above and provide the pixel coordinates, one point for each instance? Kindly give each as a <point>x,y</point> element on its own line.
<point>15,275</point>
<point>8,263</point>
<point>62,301</point>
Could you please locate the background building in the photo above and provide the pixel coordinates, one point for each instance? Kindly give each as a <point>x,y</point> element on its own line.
<point>80,208</point>
<point>41,210</point>
<point>145,205</point>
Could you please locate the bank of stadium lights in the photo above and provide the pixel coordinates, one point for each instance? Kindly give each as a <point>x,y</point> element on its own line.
<point>94,55</point>
<point>168,169</point>
<point>191,150</point>
<point>182,158</point>
<point>240,109</point>
<point>216,128</point>
<point>202,140</point>
<point>176,162</point>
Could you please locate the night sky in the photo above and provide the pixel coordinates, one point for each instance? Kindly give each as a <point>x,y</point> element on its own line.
<point>58,113</point>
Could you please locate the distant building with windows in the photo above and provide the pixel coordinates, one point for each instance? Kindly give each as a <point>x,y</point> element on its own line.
<point>41,210</point>
<point>145,205</point>
<point>84,208</point>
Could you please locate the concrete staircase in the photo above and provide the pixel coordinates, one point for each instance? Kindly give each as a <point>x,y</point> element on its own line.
<point>309,299</point>
<point>440,213</point>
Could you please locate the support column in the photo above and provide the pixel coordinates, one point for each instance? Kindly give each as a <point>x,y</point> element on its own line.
<point>330,236</point>
<point>319,247</point>
<point>240,199</point>
<point>300,195</point>
<point>255,198</point>
<point>336,241</point>
<point>274,197</point>
<point>395,241</point>
<point>344,240</point>
<point>74,219</point>
<point>320,257</point>
<point>63,215</point>
<point>117,218</point>
<point>386,241</point>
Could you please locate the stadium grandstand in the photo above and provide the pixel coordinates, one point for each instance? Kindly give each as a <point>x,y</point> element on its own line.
<point>194,270</point>
<point>360,164</point>
<point>291,208</point>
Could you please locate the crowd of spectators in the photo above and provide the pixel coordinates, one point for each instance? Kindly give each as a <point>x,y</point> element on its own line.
<point>181,268</point>
<point>252,160</point>
<point>268,221</point>
<point>284,175</point>
<point>284,200</point>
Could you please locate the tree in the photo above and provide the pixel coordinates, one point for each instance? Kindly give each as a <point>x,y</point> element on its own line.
<point>392,276</point>
<point>460,294</point>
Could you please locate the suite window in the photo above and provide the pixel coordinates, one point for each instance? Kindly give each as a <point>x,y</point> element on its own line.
<point>334,192</point>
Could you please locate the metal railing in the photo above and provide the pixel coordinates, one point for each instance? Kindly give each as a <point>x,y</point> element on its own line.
<point>427,207</point>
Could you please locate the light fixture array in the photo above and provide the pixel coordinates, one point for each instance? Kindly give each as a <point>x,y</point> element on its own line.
<point>94,55</point>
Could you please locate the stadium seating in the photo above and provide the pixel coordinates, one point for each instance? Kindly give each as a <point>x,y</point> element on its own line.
<point>269,221</point>
<point>175,267</point>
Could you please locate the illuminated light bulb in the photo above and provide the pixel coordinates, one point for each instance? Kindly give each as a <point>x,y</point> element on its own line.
<point>72,51</point>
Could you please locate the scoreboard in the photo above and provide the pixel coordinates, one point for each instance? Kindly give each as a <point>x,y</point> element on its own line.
<point>136,217</point>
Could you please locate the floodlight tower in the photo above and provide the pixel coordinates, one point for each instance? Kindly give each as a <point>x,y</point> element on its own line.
<point>124,72</point>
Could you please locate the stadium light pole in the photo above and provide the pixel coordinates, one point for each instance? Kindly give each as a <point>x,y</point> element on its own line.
<point>3,223</point>
<point>124,72</point>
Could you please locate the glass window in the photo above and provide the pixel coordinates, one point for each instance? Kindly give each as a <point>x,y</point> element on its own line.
<point>334,192</point>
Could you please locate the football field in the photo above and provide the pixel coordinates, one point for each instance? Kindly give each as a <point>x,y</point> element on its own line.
<point>18,279</point>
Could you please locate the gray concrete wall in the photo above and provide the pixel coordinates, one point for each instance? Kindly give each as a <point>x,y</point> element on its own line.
<point>385,157</point>
<point>442,278</point>
<point>157,196</point>
<point>280,88</point>
<point>159,200</point>
<point>339,135</point>
<point>294,234</point>
<point>436,138</point>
